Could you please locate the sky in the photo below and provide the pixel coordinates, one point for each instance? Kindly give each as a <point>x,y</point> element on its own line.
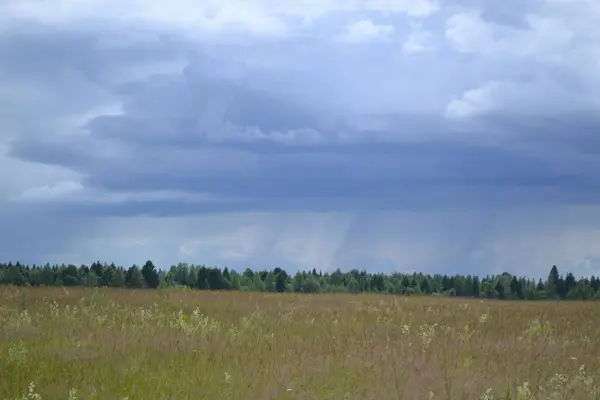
<point>457,136</point>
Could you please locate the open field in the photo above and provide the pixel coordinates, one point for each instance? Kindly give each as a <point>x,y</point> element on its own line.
<point>181,344</point>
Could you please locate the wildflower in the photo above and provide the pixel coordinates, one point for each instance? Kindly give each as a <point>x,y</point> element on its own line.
<point>524,392</point>
<point>488,395</point>
<point>483,318</point>
<point>427,332</point>
<point>32,394</point>
<point>558,382</point>
<point>405,329</point>
<point>17,353</point>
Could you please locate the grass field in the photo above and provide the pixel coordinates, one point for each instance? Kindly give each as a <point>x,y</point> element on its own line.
<point>176,344</point>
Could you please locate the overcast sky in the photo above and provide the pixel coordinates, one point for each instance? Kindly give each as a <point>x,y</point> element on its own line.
<point>457,136</point>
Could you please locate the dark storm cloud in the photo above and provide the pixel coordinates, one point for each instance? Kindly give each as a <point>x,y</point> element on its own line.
<point>212,129</point>
<point>489,114</point>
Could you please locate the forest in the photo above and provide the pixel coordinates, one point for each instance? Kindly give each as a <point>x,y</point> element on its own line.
<point>201,277</point>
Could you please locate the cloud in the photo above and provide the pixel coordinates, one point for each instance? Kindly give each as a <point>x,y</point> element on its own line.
<point>544,38</point>
<point>365,31</point>
<point>448,136</point>
<point>418,41</point>
<point>540,61</point>
<point>530,99</point>
<point>202,21</point>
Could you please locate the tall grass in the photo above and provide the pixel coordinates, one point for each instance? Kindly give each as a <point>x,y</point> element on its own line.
<point>179,344</point>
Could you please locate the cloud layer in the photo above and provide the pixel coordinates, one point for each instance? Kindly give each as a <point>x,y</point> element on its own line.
<point>385,135</point>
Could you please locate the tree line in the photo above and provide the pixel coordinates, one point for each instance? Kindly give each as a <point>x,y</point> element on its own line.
<point>201,277</point>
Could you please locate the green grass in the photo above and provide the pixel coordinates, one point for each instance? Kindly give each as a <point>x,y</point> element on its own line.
<point>178,344</point>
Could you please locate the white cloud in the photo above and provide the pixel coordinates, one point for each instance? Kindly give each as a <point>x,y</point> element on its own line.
<point>469,33</point>
<point>475,102</point>
<point>365,31</point>
<point>525,99</point>
<point>184,16</point>
<point>544,39</point>
<point>260,17</point>
<point>413,8</point>
<point>520,64</point>
<point>419,40</point>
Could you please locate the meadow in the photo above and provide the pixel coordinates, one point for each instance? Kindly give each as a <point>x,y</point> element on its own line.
<point>63,343</point>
